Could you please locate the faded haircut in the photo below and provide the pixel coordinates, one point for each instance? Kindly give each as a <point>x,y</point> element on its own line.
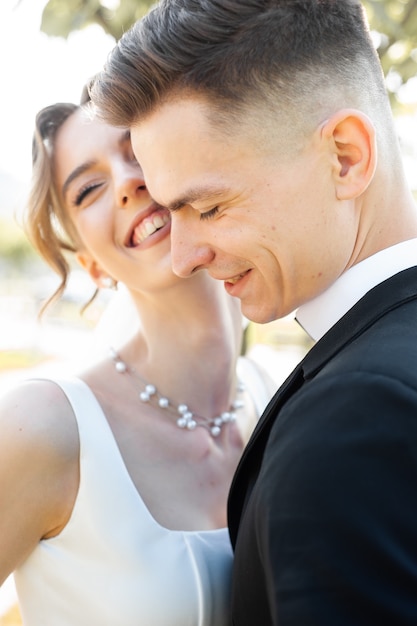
<point>299,57</point>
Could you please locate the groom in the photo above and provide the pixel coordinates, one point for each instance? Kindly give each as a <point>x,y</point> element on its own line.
<point>265,127</point>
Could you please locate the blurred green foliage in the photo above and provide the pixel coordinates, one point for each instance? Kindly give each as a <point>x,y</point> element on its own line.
<point>15,250</point>
<point>61,17</point>
<point>396,21</point>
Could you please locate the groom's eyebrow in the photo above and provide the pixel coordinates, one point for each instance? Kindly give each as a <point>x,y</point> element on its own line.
<point>201,193</point>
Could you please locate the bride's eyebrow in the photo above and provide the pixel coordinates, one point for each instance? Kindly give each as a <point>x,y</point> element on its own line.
<point>125,136</point>
<point>78,171</point>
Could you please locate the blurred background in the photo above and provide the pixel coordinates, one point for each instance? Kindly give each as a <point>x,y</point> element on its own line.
<point>48,50</point>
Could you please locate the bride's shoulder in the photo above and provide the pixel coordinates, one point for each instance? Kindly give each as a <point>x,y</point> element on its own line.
<point>36,416</point>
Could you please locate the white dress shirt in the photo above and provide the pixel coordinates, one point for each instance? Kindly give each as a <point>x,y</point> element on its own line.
<point>318,315</point>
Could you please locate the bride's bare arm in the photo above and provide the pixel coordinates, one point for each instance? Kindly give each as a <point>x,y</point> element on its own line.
<point>39,469</point>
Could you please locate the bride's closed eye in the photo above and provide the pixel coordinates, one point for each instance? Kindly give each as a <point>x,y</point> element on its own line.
<point>85,191</point>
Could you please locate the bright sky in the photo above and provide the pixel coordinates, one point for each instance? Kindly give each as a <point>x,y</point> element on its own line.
<point>37,70</point>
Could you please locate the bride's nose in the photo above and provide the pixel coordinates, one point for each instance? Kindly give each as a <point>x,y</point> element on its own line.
<point>129,183</point>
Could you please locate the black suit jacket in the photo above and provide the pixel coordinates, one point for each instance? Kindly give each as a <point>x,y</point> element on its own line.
<point>323,506</point>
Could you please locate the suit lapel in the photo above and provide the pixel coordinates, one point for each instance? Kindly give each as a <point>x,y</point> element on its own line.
<point>383,298</point>
<point>250,462</point>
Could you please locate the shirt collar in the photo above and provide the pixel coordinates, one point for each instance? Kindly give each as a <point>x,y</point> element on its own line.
<point>318,315</point>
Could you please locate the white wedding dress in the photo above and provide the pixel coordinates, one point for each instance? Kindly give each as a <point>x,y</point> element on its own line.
<point>113,564</point>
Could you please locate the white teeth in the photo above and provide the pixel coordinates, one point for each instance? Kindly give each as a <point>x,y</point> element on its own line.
<point>234,280</point>
<point>148,227</point>
<point>158,221</point>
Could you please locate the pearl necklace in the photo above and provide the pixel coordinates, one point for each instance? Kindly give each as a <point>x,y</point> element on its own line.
<point>186,419</point>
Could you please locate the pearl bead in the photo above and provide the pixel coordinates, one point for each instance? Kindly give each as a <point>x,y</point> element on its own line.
<point>186,419</point>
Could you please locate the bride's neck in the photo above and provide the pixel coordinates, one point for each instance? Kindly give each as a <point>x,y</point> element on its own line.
<point>188,348</point>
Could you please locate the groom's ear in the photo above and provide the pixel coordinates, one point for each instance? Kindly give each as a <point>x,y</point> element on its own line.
<point>351,139</point>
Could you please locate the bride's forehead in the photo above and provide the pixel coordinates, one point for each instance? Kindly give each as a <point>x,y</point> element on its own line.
<point>84,125</point>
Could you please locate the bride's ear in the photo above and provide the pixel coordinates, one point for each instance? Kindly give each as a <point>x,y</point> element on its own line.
<point>99,276</point>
